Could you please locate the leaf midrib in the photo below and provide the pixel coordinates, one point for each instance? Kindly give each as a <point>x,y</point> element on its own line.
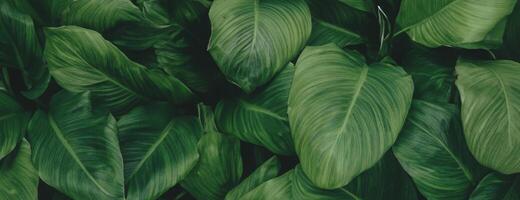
<point>259,109</point>
<point>350,193</point>
<point>334,27</point>
<point>506,101</point>
<point>72,153</point>
<point>165,132</point>
<point>466,172</point>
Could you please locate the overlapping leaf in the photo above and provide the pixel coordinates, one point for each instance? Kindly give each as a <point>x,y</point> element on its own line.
<point>344,114</point>
<point>13,123</point>
<point>268,170</point>
<point>81,60</point>
<point>18,178</point>
<point>251,41</point>
<point>75,148</point>
<point>490,96</point>
<point>159,149</point>
<point>497,186</point>
<point>261,118</point>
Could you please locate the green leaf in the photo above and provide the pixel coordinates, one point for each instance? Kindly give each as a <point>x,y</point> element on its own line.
<point>276,188</point>
<point>261,118</point>
<point>431,70</point>
<point>20,49</point>
<point>431,148</point>
<point>75,148</point>
<point>451,22</point>
<point>335,22</point>
<point>344,114</point>
<point>159,149</point>
<point>251,41</point>
<point>490,95</point>
<point>268,170</point>
<point>220,164</point>
<point>364,5</point>
<point>18,178</point>
<point>13,123</point>
<point>81,60</point>
<point>100,15</point>
<point>496,186</point>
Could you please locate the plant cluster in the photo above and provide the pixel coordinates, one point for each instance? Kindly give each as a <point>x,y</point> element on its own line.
<point>260,99</point>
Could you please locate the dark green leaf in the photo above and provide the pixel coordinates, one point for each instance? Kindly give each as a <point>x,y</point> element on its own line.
<point>268,170</point>
<point>18,178</point>
<point>13,123</point>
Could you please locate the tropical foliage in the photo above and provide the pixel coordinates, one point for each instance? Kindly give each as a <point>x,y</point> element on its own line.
<point>260,99</point>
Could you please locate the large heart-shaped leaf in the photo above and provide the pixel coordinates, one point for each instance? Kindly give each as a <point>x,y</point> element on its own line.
<point>490,95</point>
<point>220,164</point>
<point>451,22</point>
<point>100,15</point>
<point>431,148</point>
<point>261,118</point>
<point>81,60</point>
<point>268,170</point>
<point>18,178</point>
<point>496,186</point>
<point>13,123</point>
<point>75,148</point>
<point>20,49</point>
<point>343,113</point>
<point>159,149</point>
<point>251,41</point>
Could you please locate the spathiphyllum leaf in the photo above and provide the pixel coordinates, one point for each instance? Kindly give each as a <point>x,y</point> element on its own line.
<point>81,60</point>
<point>432,150</point>
<point>220,164</point>
<point>496,186</point>
<point>363,5</point>
<point>100,15</point>
<point>75,148</point>
<point>253,40</point>
<point>261,118</point>
<point>18,178</point>
<point>268,170</point>
<point>490,96</point>
<point>13,123</point>
<point>335,22</point>
<point>451,22</point>
<point>20,49</point>
<point>343,113</point>
<point>159,149</point>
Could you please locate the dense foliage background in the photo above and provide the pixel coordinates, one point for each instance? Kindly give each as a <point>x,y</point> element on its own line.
<point>260,99</point>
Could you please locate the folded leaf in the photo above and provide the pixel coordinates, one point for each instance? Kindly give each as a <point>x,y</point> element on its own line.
<point>159,149</point>
<point>18,178</point>
<point>81,60</point>
<point>20,49</point>
<point>431,148</point>
<point>268,170</point>
<point>490,95</point>
<point>496,186</point>
<point>13,123</point>
<point>344,114</point>
<point>220,164</point>
<point>261,118</point>
<point>100,15</point>
<point>75,148</point>
<point>251,41</point>
<point>451,22</point>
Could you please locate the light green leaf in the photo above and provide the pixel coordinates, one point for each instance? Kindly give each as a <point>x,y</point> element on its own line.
<point>81,60</point>
<point>220,164</point>
<point>268,170</point>
<point>335,22</point>
<point>20,49</point>
<point>261,118</point>
<point>13,123</point>
<point>364,5</point>
<point>75,148</point>
<point>496,186</point>
<point>100,15</point>
<point>344,114</point>
<point>18,178</point>
<point>490,95</point>
<point>432,150</point>
<point>159,149</point>
<point>451,22</point>
<point>251,41</point>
